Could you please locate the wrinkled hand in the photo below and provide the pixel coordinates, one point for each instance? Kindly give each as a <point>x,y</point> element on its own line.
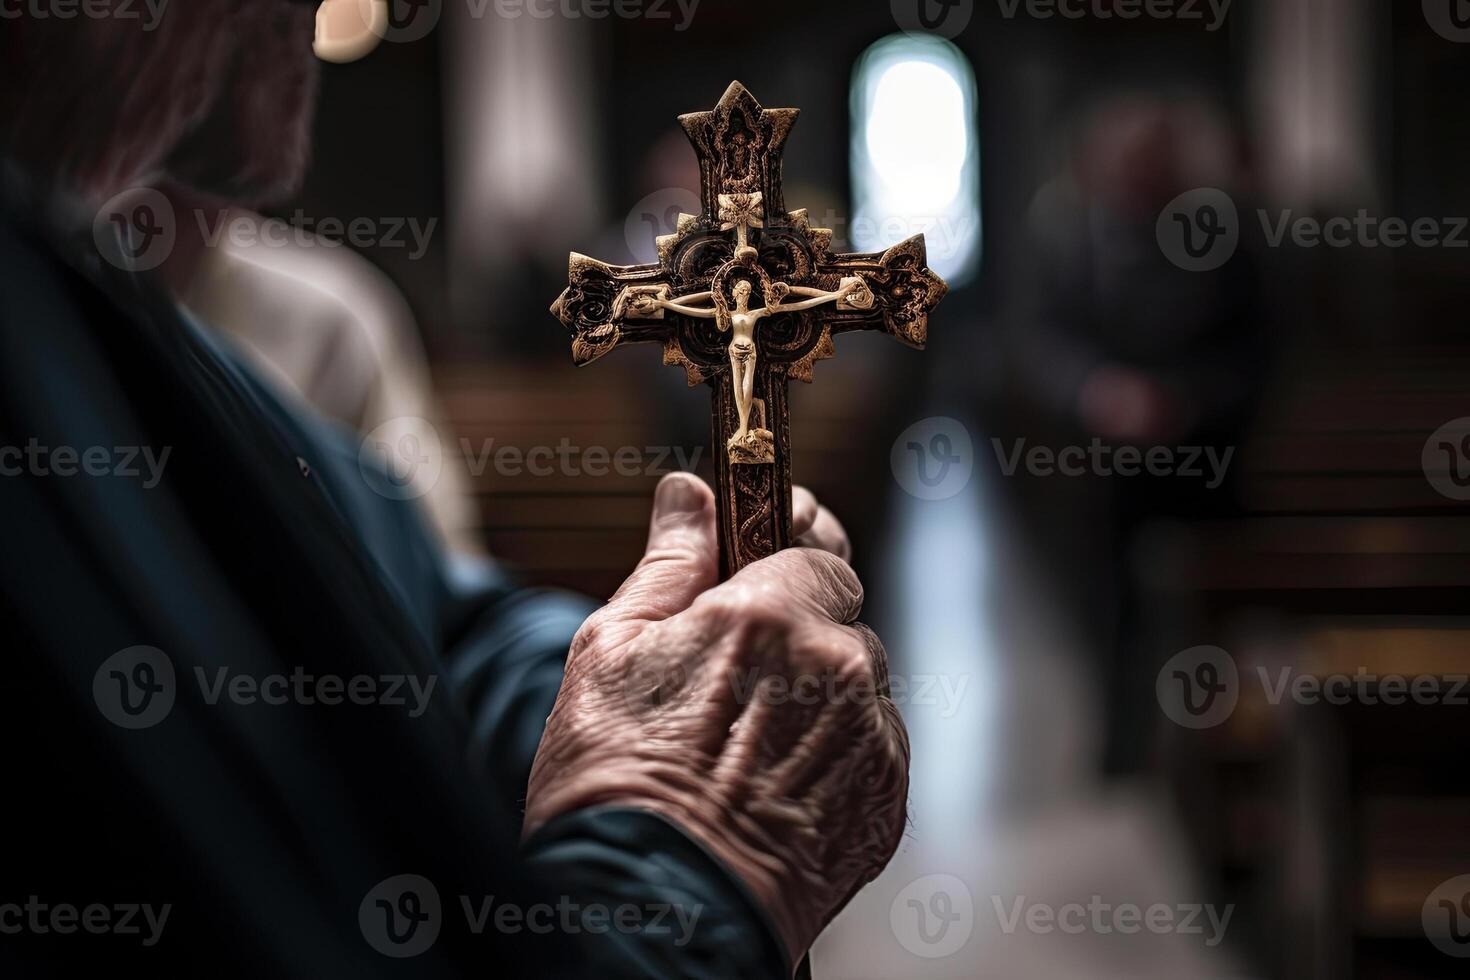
<point>753,713</point>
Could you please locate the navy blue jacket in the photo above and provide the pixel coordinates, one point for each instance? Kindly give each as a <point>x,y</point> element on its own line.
<point>288,839</point>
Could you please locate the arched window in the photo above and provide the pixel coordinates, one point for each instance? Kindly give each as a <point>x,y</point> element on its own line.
<point>915,152</point>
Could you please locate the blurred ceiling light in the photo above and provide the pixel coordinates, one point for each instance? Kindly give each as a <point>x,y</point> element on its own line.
<point>347,30</point>
<point>915,152</point>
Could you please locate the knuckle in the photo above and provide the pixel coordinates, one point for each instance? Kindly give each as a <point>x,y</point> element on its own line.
<point>720,604</point>
<point>748,604</point>
<point>588,635</point>
<point>837,661</point>
<point>877,656</point>
<point>838,583</point>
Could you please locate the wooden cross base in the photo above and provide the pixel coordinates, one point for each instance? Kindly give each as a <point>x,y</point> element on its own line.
<point>753,498</point>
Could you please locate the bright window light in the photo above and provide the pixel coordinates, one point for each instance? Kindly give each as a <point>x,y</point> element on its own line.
<point>915,153</point>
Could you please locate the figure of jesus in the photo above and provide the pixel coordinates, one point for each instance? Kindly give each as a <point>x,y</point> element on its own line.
<point>741,321</point>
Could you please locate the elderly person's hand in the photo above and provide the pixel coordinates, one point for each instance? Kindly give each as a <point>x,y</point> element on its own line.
<point>754,713</point>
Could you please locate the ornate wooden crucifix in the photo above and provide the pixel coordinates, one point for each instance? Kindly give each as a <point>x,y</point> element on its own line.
<point>747,296</point>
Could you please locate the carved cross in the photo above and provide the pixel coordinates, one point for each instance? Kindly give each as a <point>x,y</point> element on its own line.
<point>746,297</point>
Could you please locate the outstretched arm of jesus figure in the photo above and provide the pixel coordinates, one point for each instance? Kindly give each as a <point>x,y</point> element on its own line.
<point>680,306</point>
<point>818,297</point>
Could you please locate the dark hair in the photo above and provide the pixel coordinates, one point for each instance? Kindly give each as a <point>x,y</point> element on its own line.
<point>95,104</point>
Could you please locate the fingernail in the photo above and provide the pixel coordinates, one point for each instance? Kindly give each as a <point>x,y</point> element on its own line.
<point>677,494</point>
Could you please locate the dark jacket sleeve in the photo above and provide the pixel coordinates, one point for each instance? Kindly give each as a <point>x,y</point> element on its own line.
<point>257,549</point>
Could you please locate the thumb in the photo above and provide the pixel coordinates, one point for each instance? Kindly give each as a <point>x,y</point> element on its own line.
<point>682,558</point>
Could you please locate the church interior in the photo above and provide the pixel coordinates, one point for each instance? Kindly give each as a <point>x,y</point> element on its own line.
<point>1194,716</point>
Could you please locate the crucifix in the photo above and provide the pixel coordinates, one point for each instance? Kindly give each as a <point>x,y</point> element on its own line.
<point>746,297</point>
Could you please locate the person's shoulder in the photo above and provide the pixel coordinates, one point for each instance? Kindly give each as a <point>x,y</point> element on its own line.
<point>42,297</point>
<point>29,267</point>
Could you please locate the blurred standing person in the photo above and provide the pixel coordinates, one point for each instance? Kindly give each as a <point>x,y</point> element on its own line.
<point>1116,345</point>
